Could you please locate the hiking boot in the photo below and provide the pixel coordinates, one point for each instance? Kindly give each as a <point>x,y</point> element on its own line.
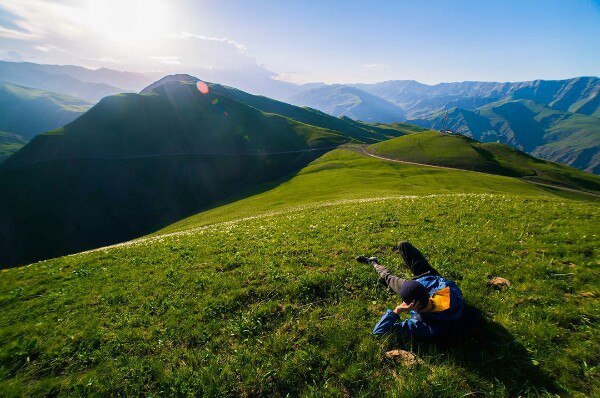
<point>367,260</point>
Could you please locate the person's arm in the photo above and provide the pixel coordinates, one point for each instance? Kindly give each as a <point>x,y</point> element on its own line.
<point>389,320</point>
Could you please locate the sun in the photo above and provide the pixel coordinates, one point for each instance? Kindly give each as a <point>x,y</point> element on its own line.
<point>128,22</point>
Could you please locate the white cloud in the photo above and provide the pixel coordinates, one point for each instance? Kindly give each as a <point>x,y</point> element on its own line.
<point>105,60</point>
<point>166,59</point>
<point>134,34</point>
<point>47,47</point>
<point>293,77</point>
<point>187,35</point>
<point>373,66</point>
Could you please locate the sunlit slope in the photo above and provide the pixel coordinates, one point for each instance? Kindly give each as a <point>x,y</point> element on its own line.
<point>464,153</point>
<point>343,174</point>
<point>275,305</point>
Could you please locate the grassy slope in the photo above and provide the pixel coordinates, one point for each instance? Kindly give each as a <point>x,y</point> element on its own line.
<point>28,112</point>
<point>465,153</point>
<point>570,138</point>
<point>276,305</point>
<point>343,174</point>
<point>348,127</point>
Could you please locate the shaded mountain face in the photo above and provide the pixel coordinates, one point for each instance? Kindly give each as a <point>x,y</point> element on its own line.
<point>136,162</point>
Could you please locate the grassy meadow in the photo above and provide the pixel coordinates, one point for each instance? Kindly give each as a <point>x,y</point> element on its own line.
<point>262,296</point>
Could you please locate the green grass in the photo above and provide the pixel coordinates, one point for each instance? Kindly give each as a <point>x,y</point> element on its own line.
<point>464,153</point>
<point>273,304</point>
<point>343,174</point>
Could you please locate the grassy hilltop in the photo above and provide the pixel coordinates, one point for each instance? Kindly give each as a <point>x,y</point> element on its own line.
<point>465,153</point>
<point>262,297</point>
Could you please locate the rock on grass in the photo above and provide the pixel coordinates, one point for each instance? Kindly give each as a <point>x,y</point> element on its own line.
<point>498,283</point>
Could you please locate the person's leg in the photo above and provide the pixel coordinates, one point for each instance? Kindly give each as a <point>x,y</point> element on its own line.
<point>393,281</point>
<point>414,260</point>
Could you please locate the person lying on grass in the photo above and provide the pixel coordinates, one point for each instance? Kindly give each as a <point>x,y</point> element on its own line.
<point>436,304</point>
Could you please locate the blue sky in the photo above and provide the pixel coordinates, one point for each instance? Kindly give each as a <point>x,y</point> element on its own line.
<point>332,41</point>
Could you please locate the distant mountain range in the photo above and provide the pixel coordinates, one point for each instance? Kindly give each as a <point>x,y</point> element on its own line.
<point>25,112</point>
<point>558,119</point>
<point>76,81</point>
<point>340,100</point>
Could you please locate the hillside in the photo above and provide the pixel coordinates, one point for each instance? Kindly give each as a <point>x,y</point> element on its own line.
<point>465,153</point>
<point>262,297</point>
<point>340,100</point>
<point>27,112</point>
<point>136,162</point>
<point>572,138</point>
<point>363,132</point>
<point>9,144</point>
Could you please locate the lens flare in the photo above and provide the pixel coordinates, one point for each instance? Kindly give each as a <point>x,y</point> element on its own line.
<point>202,87</point>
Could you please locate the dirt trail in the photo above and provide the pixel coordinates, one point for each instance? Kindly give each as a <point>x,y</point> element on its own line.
<point>364,151</point>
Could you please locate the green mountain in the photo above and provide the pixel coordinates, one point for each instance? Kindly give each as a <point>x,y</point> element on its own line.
<point>27,112</point>
<point>136,162</point>
<point>9,144</point>
<point>571,138</point>
<point>465,153</point>
<point>341,100</point>
<point>262,296</point>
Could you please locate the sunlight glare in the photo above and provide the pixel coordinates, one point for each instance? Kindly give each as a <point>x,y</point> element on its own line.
<point>128,22</point>
<point>202,87</point>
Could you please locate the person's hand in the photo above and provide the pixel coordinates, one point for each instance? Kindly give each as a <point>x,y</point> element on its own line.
<point>407,307</point>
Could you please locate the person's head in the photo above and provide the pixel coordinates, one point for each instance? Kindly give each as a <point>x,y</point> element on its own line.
<point>414,291</point>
